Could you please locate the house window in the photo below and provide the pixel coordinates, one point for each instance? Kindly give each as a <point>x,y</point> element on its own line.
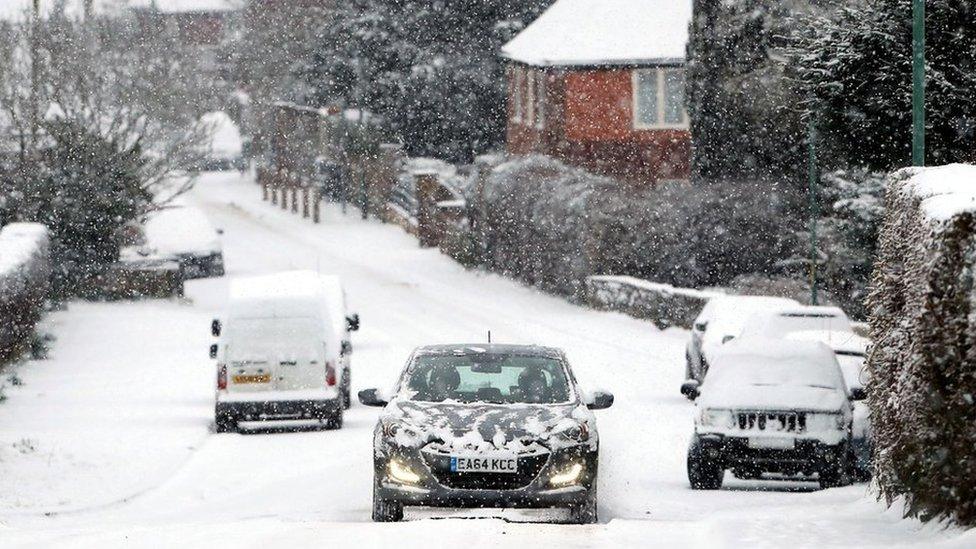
<point>659,98</point>
<point>540,99</point>
<point>518,107</point>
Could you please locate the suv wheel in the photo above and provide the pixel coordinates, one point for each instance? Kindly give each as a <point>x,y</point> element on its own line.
<point>385,510</point>
<point>334,421</point>
<point>837,474</point>
<point>703,473</point>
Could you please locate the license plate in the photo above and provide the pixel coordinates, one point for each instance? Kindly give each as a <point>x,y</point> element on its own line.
<point>772,443</point>
<point>483,465</point>
<point>257,378</point>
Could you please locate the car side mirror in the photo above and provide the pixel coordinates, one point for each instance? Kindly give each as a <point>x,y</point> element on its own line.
<point>346,348</point>
<point>727,339</point>
<point>690,389</point>
<point>701,326</point>
<point>220,231</point>
<point>215,328</point>
<point>599,400</point>
<point>858,393</point>
<point>371,397</point>
<point>213,351</point>
<point>352,322</point>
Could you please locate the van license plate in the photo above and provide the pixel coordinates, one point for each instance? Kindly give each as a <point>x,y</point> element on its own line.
<point>483,465</point>
<point>772,443</point>
<point>261,378</point>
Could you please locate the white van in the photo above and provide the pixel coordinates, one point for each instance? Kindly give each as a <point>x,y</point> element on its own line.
<point>283,351</point>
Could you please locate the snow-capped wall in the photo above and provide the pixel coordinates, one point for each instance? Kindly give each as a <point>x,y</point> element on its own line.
<point>25,270</point>
<point>923,321</point>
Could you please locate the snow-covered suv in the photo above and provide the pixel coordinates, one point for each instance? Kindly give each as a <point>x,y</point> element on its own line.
<point>771,406</point>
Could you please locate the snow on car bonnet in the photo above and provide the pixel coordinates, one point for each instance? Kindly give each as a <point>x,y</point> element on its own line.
<point>774,374</point>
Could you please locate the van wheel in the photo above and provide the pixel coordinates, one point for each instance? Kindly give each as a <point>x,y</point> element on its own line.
<point>226,425</point>
<point>385,510</point>
<point>334,421</point>
<point>347,396</point>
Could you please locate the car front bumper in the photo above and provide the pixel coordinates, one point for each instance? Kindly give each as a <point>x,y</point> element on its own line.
<point>431,490</point>
<point>808,455</point>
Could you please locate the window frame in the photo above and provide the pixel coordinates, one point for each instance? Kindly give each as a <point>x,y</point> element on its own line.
<point>540,100</point>
<point>662,98</point>
<point>518,106</point>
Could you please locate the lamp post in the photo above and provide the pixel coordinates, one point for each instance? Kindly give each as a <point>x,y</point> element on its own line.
<point>918,83</point>
<point>812,180</point>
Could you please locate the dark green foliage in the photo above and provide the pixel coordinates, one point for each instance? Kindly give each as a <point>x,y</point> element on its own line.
<point>923,361</point>
<point>85,188</point>
<point>856,66</point>
<point>430,69</point>
<point>552,226</point>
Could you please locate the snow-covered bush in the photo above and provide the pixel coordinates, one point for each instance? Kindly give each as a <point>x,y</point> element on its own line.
<point>553,225</point>
<point>25,271</point>
<point>922,307</point>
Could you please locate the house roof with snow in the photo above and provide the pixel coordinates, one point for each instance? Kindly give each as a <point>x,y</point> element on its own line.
<point>605,33</point>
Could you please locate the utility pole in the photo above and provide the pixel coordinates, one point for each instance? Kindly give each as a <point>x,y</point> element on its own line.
<point>34,99</point>
<point>812,180</point>
<point>918,83</point>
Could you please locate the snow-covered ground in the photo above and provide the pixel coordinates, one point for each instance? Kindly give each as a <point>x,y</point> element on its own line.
<point>109,441</point>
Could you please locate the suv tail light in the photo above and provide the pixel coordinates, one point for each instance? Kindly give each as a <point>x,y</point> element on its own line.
<point>330,374</point>
<point>221,377</point>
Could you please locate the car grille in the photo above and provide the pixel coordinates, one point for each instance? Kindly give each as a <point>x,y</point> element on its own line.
<point>529,468</point>
<point>774,422</point>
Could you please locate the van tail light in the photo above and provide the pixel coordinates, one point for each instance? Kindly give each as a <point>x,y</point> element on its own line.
<point>330,374</point>
<point>221,377</point>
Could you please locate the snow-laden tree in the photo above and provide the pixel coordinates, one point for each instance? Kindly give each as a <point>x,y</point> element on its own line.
<point>98,121</point>
<point>430,69</point>
<point>855,68</point>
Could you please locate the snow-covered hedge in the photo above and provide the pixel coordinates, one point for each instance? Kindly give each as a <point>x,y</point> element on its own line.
<point>662,304</point>
<point>923,364</point>
<point>25,271</point>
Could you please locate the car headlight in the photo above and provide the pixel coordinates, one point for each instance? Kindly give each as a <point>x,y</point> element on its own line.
<point>826,422</point>
<point>401,472</point>
<point>716,418</point>
<point>578,433</point>
<point>567,476</point>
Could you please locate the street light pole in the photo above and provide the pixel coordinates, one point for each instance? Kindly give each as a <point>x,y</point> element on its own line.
<point>918,83</point>
<point>812,180</point>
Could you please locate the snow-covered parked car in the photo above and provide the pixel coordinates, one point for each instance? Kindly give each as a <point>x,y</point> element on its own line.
<point>779,323</point>
<point>185,234</point>
<point>771,406</point>
<point>486,426</point>
<point>720,321</point>
<point>283,351</point>
<point>851,352</point>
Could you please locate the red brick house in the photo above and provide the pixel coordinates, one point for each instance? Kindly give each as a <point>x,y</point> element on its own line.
<point>600,85</point>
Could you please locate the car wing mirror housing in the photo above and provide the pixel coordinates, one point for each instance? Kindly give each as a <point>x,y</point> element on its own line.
<point>213,351</point>
<point>727,339</point>
<point>372,397</point>
<point>858,393</point>
<point>352,322</point>
<point>215,327</point>
<point>691,389</point>
<point>599,400</point>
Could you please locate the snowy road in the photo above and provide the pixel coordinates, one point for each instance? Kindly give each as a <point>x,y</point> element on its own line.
<point>109,441</point>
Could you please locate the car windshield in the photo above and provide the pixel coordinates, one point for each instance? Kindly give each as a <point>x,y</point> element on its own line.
<point>488,377</point>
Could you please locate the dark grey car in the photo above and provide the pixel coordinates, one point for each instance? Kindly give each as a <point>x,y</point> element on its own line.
<point>486,426</point>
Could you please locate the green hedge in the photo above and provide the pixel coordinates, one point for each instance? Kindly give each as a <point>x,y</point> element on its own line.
<point>923,362</point>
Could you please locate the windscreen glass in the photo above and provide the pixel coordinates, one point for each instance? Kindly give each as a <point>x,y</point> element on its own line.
<point>489,378</point>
